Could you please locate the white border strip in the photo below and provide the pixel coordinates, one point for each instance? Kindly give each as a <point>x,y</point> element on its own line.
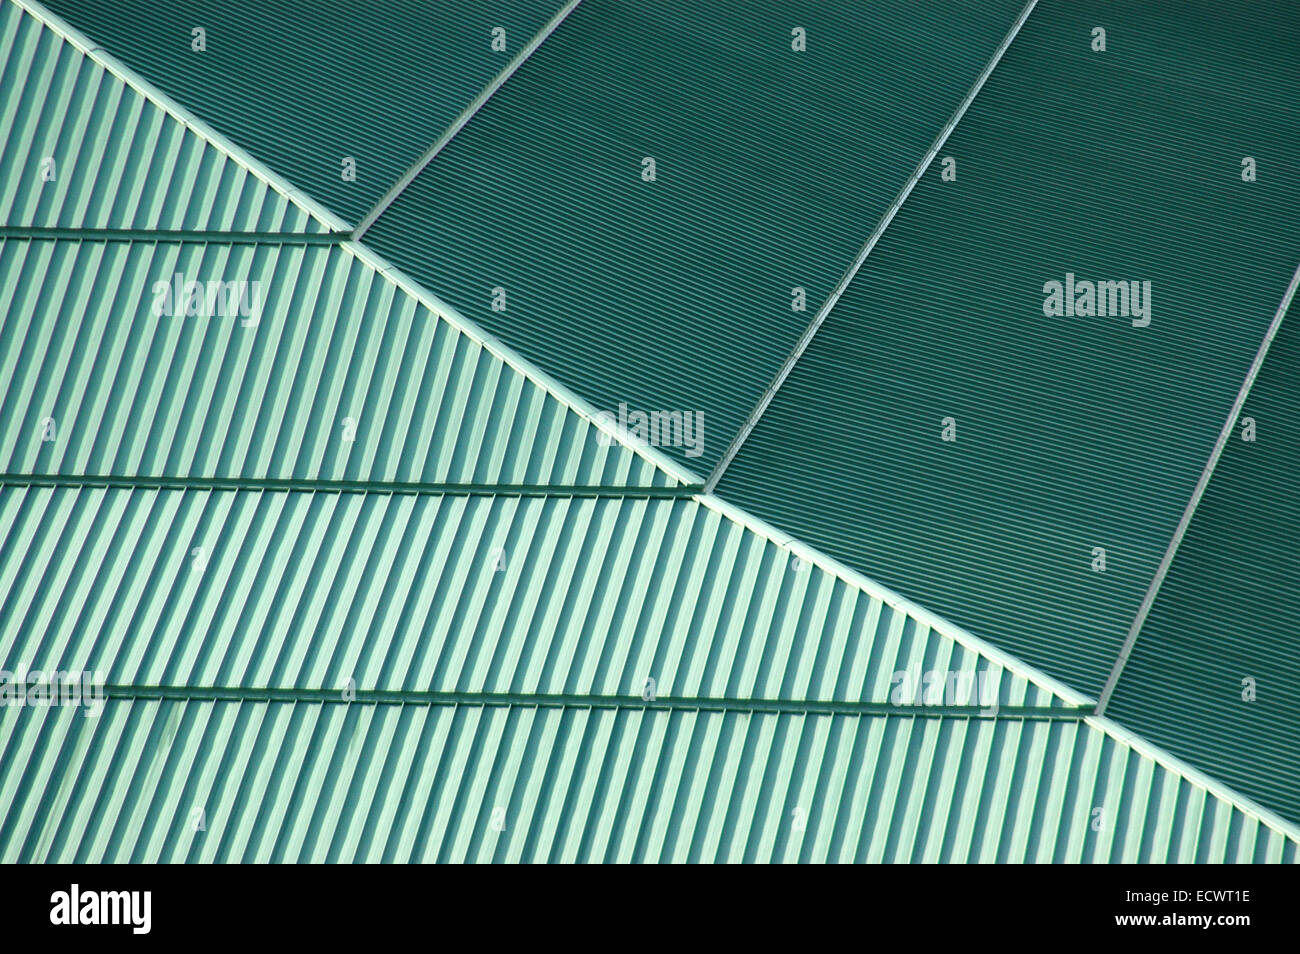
<point>178,112</point>
<point>466,115</point>
<point>806,338</point>
<point>1194,501</point>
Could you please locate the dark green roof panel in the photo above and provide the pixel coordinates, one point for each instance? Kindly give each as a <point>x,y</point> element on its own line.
<point>301,86</point>
<point>772,168</point>
<point>1229,609</point>
<point>1071,432</point>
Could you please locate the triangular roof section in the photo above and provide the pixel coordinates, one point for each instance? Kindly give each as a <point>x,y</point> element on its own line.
<point>329,371</point>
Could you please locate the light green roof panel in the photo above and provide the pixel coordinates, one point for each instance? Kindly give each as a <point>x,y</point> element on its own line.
<point>79,147</point>
<point>339,372</point>
<point>460,594</point>
<point>283,781</point>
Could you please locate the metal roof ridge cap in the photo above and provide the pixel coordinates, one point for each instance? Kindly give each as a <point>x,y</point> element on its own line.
<point>1145,747</point>
<point>179,112</point>
<point>899,602</point>
<point>575,402</point>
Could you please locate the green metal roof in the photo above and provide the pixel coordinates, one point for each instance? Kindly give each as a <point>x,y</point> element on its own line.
<point>284,781</point>
<point>771,169</point>
<point>437,593</point>
<point>1071,433</point>
<point>499,710</point>
<point>135,394</point>
<point>119,159</point>
<point>1230,609</point>
<point>304,86</point>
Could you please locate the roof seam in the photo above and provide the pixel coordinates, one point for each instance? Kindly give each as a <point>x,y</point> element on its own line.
<point>190,120</point>
<point>1162,570</point>
<point>326,485</point>
<point>851,272</point>
<point>584,701</point>
<point>458,124</point>
<point>75,234</point>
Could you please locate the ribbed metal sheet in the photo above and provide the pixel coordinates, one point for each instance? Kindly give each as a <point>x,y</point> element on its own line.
<point>1229,609</point>
<point>302,86</point>
<point>312,782</point>
<point>298,591</point>
<point>447,594</point>
<point>1072,433</point>
<point>772,169</point>
<point>134,394</point>
<point>119,160</point>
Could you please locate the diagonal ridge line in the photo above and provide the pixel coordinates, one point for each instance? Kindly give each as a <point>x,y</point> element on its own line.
<point>806,338</point>
<point>466,115</point>
<point>1194,501</point>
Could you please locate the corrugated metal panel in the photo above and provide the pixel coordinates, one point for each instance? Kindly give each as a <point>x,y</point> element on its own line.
<point>139,395</point>
<point>303,589</point>
<point>772,169</point>
<point>1072,433</point>
<point>447,594</point>
<point>120,161</point>
<point>1230,609</point>
<point>302,86</point>
<point>311,782</point>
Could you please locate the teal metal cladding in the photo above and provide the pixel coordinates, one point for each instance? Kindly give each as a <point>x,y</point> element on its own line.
<point>1213,675</point>
<point>333,782</point>
<point>1072,433</point>
<point>304,86</point>
<point>470,594</point>
<point>771,169</point>
<point>498,625</point>
<point>79,148</point>
<point>338,373</point>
